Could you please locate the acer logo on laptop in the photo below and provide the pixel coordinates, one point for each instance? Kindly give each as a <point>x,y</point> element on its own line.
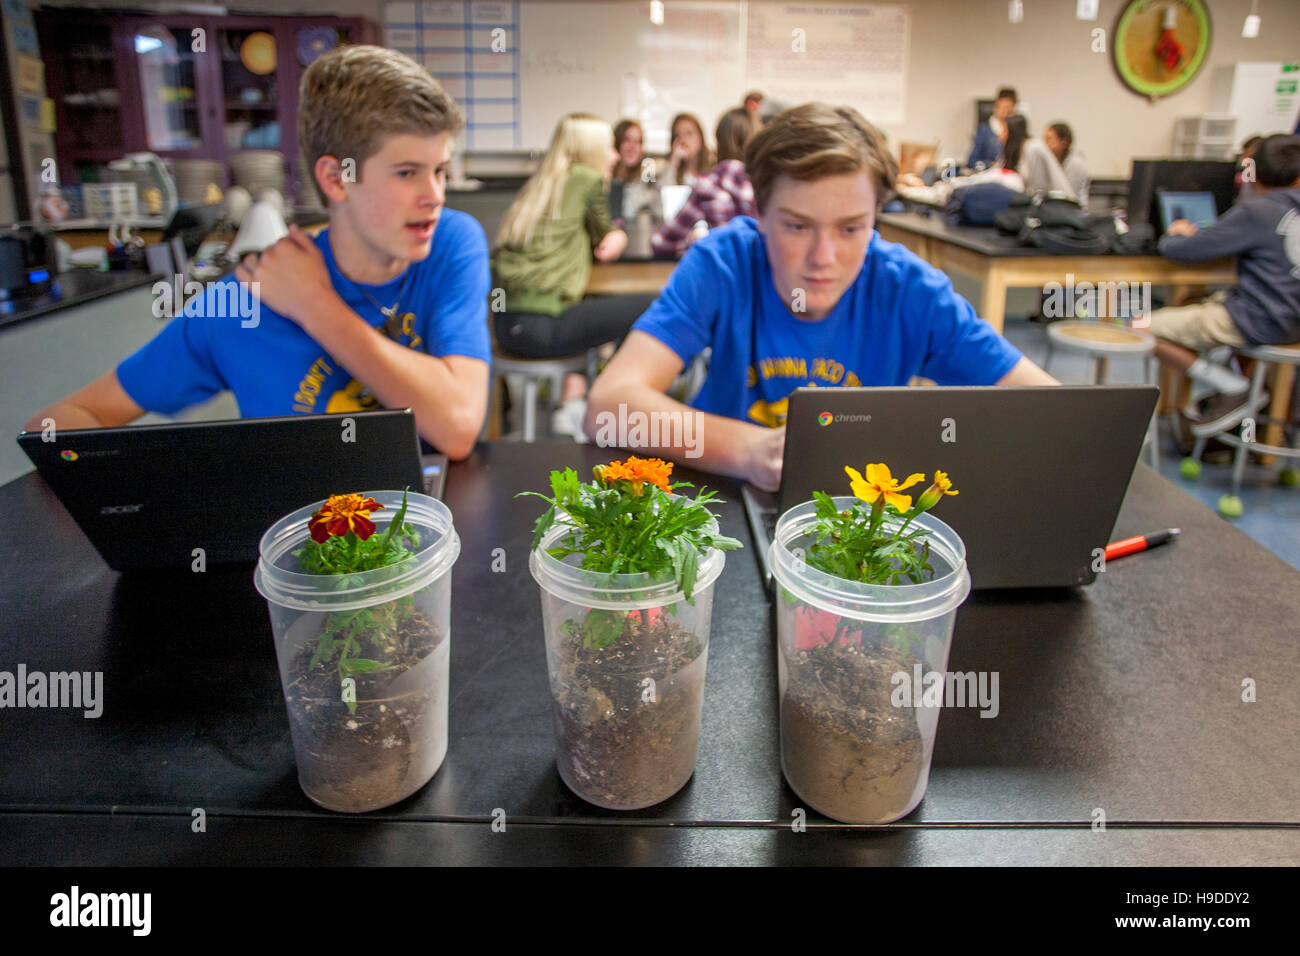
<point>120,509</point>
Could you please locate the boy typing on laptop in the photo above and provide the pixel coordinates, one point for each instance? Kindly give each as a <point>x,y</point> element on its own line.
<point>807,294</point>
<point>384,308</point>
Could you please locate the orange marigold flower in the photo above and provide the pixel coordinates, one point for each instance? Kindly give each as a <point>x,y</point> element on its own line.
<point>638,471</point>
<point>341,514</point>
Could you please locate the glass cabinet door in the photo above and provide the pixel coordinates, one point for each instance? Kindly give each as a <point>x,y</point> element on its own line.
<point>250,88</point>
<point>90,98</point>
<point>167,88</point>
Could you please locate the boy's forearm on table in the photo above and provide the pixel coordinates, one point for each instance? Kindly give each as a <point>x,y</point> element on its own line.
<point>722,442</point>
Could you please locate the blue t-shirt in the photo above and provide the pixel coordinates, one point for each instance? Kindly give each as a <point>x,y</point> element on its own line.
<point>898,319</point>
<point>275,368</point>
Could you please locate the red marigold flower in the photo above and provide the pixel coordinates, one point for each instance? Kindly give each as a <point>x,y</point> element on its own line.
<point>341,514</point>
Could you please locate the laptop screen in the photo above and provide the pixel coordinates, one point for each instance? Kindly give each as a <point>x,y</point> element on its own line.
<point>1197,207</point>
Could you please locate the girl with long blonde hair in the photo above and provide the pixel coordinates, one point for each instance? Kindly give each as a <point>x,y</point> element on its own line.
<point>542,260</point>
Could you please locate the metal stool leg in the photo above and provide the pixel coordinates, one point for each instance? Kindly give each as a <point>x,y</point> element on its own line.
<point>530,408</point>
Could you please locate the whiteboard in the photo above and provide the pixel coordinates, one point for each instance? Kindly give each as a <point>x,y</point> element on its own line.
<point>609,59</point>
<point>518,67</point>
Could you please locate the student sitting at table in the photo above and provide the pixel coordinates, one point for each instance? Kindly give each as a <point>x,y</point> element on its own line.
<point>806,294</point>
<point>1004,172</point>
<point>1263,308</point>
<point>990,135</point>
<point>386,307</point>
<point>1059,139</point>
<point>543,255</point>
<point>718,196</point>
<point>629,144</point>
<point>1034,161</point>
<point>689,156</point>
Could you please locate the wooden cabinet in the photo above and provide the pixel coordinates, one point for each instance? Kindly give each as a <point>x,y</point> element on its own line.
<point>181,86</point>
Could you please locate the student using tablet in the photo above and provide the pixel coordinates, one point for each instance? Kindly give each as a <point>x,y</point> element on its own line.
<point>385,307</point>
<point>806,294</point>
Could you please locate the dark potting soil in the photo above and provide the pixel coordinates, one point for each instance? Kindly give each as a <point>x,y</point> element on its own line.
<point>845,748</point>
<point>628,714</point>
<point>362,760</point>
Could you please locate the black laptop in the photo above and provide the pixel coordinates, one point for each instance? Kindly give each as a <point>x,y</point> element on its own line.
<point>147,496</point>
<point>1041,471</point>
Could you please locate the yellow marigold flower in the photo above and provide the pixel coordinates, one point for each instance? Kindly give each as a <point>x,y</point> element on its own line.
<point>341,514</point>
<point>932,495</point>
<point>638,471</point>
<point>880,483</point>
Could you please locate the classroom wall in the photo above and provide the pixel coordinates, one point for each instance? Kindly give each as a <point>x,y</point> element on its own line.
<point>964,49</point>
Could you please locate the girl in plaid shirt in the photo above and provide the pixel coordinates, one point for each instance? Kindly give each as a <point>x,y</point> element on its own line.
<point>718,196</point>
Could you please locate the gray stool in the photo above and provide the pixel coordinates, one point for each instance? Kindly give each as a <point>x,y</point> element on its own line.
<point>1104,341</point>
<point>1264,355</point>
<point>531,371</point>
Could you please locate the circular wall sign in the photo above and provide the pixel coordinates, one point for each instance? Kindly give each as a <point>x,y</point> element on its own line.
<point>1159,45</point>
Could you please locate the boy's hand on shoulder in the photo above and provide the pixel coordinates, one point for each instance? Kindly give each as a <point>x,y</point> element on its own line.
<point>291,276</point>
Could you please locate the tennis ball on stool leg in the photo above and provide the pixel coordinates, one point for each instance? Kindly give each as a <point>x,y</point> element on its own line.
<point>1289,477</point>
<point>1190,468</point>
<point>1230,506</point>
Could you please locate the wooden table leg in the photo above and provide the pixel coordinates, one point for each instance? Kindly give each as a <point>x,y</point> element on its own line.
<point>1280,384</point>
<point>993,299</point>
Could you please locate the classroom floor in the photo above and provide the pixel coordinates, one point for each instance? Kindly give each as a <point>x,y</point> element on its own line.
<point>1272,513</point>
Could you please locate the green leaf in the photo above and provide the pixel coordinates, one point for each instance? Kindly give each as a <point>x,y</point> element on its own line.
<point>362,665</point>
<point>602,627</point>
<point>690,565</point>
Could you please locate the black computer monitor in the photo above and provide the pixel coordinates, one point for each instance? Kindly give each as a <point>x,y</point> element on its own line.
<point>192,225</point>
<point>1216,176</point>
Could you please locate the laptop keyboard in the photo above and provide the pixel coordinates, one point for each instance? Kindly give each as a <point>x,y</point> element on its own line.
<point>435,474</point>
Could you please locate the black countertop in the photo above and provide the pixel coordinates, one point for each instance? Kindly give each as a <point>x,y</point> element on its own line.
<point>76,287</point>
<point>1124,696</point>
<point>985,240</point>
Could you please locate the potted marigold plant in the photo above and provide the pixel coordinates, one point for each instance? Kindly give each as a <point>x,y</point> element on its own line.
<point>626,567</point>
<point>360,610</point>
<point>869,589</point>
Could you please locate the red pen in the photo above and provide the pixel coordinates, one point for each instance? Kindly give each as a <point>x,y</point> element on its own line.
<point>1143,542</point>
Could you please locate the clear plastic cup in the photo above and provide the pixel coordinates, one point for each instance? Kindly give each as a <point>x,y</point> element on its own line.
<point>627,714</point>
<point>856,738</point>
<point>365,740</point>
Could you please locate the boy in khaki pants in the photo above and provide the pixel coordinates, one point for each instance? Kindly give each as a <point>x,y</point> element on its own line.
<point>1263,308</point>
